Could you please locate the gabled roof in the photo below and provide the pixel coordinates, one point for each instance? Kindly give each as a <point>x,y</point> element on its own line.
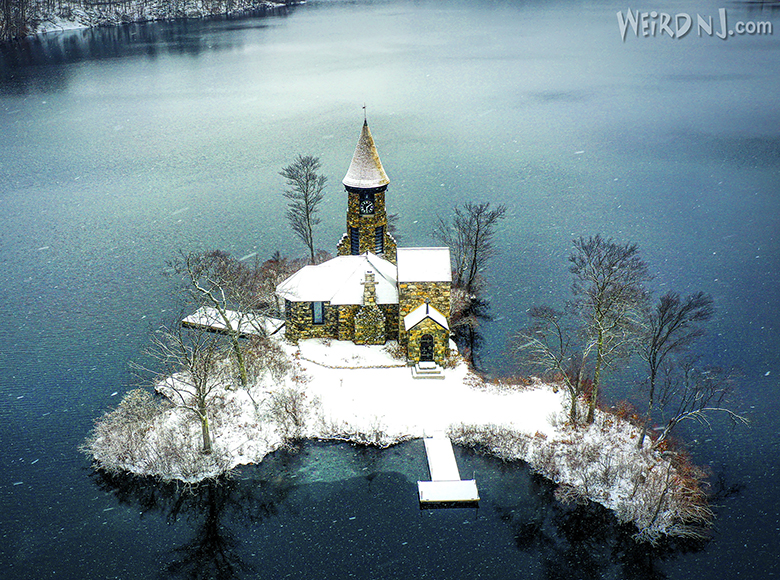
<point>366,169</point>
<point>422,312</point>
<point>340,281</point>
<point>424,265</point>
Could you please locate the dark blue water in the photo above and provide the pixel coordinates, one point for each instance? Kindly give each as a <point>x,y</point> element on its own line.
<point>120,146</point>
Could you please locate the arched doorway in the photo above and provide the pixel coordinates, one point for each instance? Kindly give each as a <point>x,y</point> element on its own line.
<point>426,348</point>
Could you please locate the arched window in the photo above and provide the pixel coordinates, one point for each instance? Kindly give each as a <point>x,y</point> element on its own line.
<point>426,347</point>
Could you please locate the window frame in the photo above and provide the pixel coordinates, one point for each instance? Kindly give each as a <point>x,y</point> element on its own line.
<point>318,307</point>
<point>354,241</point>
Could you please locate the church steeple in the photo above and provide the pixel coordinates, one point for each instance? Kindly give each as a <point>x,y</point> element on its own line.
<point>366,183</point>
<point>365,171</point>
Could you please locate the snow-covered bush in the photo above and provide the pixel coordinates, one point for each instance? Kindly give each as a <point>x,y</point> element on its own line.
<point>149,436</point>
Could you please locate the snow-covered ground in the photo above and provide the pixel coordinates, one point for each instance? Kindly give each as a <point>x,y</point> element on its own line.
<point>337,390</point>
<point>408,408</point>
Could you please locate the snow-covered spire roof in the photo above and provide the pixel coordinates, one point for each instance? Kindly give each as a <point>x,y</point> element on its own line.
<point>365,171</point>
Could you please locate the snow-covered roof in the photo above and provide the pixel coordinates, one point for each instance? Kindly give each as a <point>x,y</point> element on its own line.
<point>340,281</point>
<point>422,312</point>
<point>247,324</point>
<point>366,169</point>
<point>424,265</point>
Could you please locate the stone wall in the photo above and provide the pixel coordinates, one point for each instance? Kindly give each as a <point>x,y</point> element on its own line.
<point>391,320</point>
<point>298,316</point>
<point>366,225</point>
<point>441,341</point>
<point>370,325</point>
<point>413,294</point>
<point>347,321</point>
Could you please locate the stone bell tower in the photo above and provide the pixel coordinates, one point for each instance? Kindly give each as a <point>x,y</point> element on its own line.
<point>366,183</point>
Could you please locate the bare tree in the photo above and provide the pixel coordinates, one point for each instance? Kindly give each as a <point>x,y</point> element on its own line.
<point>470,238</point>
<point>15,20</point>
<point>273,272</point>
<point>188,371</point>
<point>305,191</point>
<point>232,293</point>
<point>609,296</point>
<point>671,327</point>
<point>548,342</point>
<point>688,392</point>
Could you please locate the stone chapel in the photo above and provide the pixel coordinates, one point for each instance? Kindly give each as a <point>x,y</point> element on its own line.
<point>373,291</point>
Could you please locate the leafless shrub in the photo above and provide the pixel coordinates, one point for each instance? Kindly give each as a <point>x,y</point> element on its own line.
<point>567,494</point>
<point>375,436</point>
<point>474,381</point>
<point>607,469</point>
<point>451,360</point>
<point>543,460</point>
<point>395,350</point>
<point>572,459</point>
<point>511,384</point>
<point>590,452</point>
<point>501,442</point>
<point>266,355</point>
<point>119,438</point>
<point>288,409</point>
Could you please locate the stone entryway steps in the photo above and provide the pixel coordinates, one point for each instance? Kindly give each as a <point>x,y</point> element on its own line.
<point>446,487</point>
<point>427,370</point>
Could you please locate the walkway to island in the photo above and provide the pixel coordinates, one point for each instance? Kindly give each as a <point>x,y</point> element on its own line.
<point>446,488</point>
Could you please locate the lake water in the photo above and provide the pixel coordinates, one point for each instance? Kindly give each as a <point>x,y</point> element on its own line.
<point>121,146</point>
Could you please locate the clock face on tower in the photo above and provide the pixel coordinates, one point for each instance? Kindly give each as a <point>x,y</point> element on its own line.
<point>366,204</point>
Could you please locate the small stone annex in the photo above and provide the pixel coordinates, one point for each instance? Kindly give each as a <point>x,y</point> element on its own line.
<point>373,291</point>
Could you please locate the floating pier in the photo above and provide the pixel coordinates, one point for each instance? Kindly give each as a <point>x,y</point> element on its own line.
<point>446,488</point>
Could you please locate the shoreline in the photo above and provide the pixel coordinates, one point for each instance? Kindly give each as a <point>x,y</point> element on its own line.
<point>386,406</point>
<point>78,16</point>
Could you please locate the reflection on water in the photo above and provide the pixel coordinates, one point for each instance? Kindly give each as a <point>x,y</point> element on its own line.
<point>37,64</point>
<point>290,516</point>
<point>120,146</point>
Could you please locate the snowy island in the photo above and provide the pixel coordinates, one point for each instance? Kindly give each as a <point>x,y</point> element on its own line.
<point>323,395</point>
<point>361,350</point>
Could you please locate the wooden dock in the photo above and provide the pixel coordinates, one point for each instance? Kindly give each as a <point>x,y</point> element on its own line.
<point>446,488</point>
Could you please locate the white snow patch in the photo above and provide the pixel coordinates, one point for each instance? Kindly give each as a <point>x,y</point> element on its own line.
<point>363,394</point>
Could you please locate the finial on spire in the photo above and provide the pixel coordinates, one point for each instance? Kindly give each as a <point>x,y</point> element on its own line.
<point>365,117</point>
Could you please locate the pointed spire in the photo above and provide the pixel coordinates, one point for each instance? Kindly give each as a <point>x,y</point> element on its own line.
<point>366,169</point>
